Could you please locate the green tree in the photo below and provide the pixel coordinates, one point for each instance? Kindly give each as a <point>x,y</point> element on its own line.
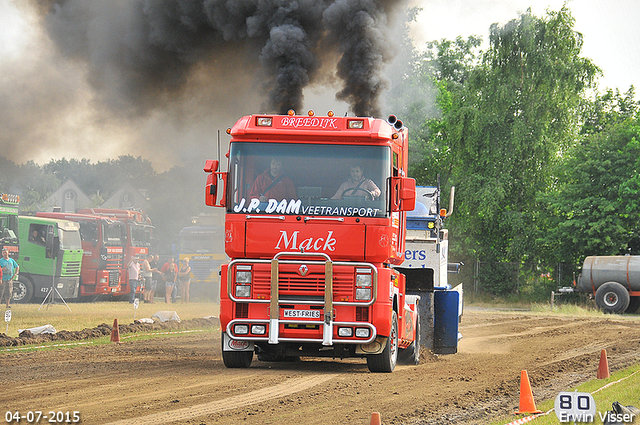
<point>595,207</point>
<point>515,112</point>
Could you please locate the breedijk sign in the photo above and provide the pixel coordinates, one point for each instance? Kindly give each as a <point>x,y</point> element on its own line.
<point>308,122</point>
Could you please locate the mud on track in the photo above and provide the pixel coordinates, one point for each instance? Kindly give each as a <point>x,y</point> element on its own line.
<point>181,380</point>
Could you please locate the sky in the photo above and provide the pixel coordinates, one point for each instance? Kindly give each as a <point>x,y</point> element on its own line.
<point>610,28</point>
<point>49,110</point>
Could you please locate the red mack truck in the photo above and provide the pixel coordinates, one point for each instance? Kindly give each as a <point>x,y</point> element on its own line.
<point>315,220</point>
<point>103,247</point>
<point>139,233</point>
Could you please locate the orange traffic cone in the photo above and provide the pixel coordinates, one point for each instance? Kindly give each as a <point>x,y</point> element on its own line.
<point>603,367</point>
<point>115,332</point>
<point>375,419</point>
<point>527,405</point>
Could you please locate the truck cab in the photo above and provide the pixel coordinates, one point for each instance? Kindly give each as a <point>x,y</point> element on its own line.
<point>315,217</point>
<point>50,257</point>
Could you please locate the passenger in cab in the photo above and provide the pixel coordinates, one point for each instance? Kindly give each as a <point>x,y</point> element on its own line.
<point>273,184</point>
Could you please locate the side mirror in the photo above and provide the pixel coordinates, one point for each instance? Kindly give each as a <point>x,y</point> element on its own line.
<point>403,194</point>
<point>211,165</point>
<point>407,194</point>
<point>211,188</point>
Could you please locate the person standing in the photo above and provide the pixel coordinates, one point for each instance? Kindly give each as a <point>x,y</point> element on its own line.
<point>184,279</point>
<point>134,275</point>
<point>146,273</point>
<point>154,263</point>
<point>9,271</point>
<point>170,272</point>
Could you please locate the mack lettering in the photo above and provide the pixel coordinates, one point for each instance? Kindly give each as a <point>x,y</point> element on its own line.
<point>308,244</point>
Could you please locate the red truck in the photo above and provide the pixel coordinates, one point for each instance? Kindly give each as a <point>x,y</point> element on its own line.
<point>103,246</point>
<point>138,236</point>
<point>315,220</point>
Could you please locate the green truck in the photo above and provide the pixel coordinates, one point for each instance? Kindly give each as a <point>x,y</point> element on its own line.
<point>50,256</point>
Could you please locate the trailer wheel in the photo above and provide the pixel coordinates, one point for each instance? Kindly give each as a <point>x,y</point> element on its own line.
<point>612,297</point>
<point>386,361</point>
<point>411,354</point>
<point>236,359</point>
<point>22,291</point>
<point>634,303</point>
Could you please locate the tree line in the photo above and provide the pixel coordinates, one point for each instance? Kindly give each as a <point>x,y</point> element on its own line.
<point>546,166</point>
<point>173,195</point>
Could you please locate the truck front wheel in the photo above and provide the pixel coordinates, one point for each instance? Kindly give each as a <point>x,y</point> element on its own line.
<point>386,361</point>
<point>236,359</point>
<point>22,291</point>
<point>634,303</point>
<point>612,297</point>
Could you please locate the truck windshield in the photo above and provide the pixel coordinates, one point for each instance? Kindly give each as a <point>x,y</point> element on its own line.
<point>112,234</point>
<point>309,179</point>
<point>140,235</point>
<point>201,241</point>
<point>69,239</point>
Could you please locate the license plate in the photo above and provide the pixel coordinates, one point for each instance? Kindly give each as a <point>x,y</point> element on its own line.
<point>301,314</point>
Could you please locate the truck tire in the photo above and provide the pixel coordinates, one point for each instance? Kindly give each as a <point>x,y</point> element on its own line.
<point>612,297</point>
<point>236,359</point>
<point>386,361</point>
<point>411,354</point>
<point>22,291</point>
<point>634,303</point>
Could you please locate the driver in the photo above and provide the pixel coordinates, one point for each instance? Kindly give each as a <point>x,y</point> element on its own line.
<point>357,183</point>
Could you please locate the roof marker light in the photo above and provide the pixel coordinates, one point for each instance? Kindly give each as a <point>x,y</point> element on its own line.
<point>291,112</point>
<point>311,113</point>
<point>330,113</point>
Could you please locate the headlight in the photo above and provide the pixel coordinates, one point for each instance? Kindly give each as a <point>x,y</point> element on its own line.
<point>104,280</point>
<point>345,332</point>
<point>258,329</point>
<point>363,294</point>
<point>243,276</point>
<point>363,280</point>
<point>363,332</point>
<point>243,291</point>
<point>241,329</point>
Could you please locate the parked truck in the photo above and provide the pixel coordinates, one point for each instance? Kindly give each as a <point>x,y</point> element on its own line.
<point>312,255</point>
<point>9,223</point>
<point>50,257</point>
<point>103,246</point>
<point>138,236</point>
<point>203,246</point>
<point>614,282</point>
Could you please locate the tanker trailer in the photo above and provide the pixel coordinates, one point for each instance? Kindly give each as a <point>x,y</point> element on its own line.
<point>613,280</point>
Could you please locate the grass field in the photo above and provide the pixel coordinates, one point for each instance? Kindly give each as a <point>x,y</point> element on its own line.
<point>624,388</point>
<point>90,315</point>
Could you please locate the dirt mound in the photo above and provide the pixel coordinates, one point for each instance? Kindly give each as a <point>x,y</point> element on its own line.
<point>103,329</point>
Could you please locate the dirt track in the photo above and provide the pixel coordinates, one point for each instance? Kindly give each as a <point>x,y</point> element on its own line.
<point>182,380</point>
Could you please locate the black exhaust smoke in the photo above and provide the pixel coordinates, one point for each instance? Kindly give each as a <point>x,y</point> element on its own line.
<point>141,54</point>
